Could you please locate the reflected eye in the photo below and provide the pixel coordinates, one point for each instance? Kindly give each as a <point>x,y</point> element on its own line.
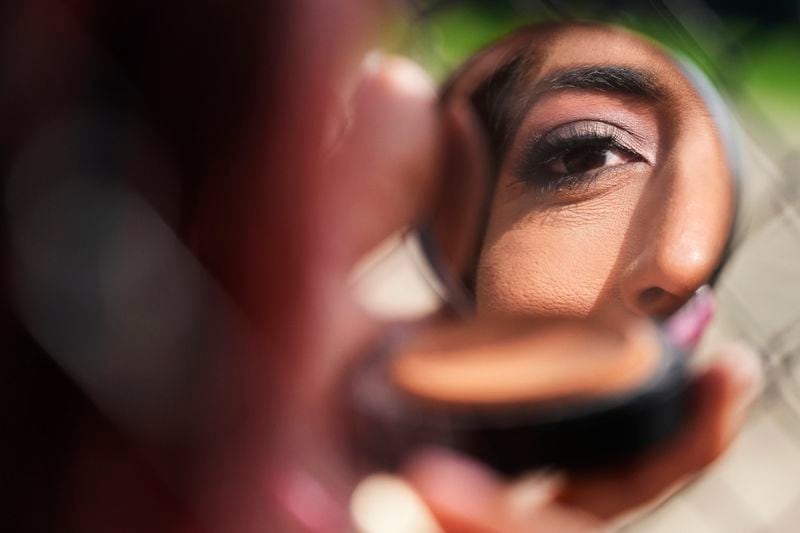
<point>576,154</point>
<point>586,158</point>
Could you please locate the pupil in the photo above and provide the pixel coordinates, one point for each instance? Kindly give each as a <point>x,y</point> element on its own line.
<point>583,160</point>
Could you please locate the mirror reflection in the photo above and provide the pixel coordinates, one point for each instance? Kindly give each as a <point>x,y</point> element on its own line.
<point>609,188</point>
<point>586,178</point>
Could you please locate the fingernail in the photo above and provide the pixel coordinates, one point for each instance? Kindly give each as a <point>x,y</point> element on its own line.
<point>400,73</point>
<point>410,77</point>
<point>386,504</point>
<point>531,492</point>
<point>372,62</point>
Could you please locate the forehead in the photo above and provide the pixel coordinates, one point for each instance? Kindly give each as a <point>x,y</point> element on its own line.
<point>570,43</point>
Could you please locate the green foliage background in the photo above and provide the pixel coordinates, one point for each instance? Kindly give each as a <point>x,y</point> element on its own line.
<point>757,67</point>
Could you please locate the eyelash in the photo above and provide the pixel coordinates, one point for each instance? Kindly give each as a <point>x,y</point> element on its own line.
<point>549,147</point>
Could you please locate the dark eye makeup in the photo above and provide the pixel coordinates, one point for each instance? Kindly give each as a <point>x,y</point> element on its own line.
<point>575,154</point>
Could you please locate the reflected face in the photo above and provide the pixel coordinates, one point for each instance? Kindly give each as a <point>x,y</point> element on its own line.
<point>613,194</point>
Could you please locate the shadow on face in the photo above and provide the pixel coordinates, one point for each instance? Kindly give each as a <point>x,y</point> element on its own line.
<point>609,190</point>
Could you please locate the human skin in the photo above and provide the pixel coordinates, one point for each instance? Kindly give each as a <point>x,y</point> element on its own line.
<point>298,301</point>
<point>646,225</point>
<point>464,496</point>
<point>636,241</point>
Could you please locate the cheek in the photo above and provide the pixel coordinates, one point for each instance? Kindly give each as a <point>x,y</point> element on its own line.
<point>545,273</point>
<point>554,264</point>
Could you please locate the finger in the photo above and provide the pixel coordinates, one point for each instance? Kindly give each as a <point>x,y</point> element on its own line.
<point>720,397</point>
<point>465,497</point>
<point>387,154</point>
<point>381,165</point>
<point>384,503</point>
<point>530,505</point>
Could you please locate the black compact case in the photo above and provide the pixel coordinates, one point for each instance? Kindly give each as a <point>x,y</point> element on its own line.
<point>387,425</point>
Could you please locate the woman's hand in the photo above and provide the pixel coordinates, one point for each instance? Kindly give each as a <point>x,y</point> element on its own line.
<point>463,496</point>
<point>466,498</point>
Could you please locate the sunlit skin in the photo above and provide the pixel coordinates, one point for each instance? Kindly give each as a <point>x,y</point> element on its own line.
<point>275,225</point>
<point>651,224</point>
<point>638,239</point>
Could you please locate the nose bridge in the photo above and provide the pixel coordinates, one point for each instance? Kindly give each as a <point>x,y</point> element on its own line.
<point>681,228</point>
<point>683,242</point>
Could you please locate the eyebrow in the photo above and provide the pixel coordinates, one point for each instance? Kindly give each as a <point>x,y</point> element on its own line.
<point>626,81</point>
<point>611,78</point>
<point>504,100</point>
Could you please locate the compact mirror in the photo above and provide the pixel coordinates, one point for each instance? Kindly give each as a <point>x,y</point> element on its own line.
<point>593,174</point>
<point>605,186</point>
<point>587,186</point>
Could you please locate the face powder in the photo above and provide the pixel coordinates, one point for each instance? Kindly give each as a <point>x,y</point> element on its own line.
<point>519,395</point>
<point>516,363</point>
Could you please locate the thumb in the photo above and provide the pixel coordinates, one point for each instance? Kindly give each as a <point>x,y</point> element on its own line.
<point>386,161</point>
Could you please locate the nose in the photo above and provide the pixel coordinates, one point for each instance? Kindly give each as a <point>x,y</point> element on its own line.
<point>675,264</point>
<point>682,224</point>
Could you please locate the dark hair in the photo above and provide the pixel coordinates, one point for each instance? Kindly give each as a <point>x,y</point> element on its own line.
<point>495,99</point>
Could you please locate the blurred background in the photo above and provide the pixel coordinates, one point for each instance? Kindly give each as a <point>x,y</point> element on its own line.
<point>751,49</point>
